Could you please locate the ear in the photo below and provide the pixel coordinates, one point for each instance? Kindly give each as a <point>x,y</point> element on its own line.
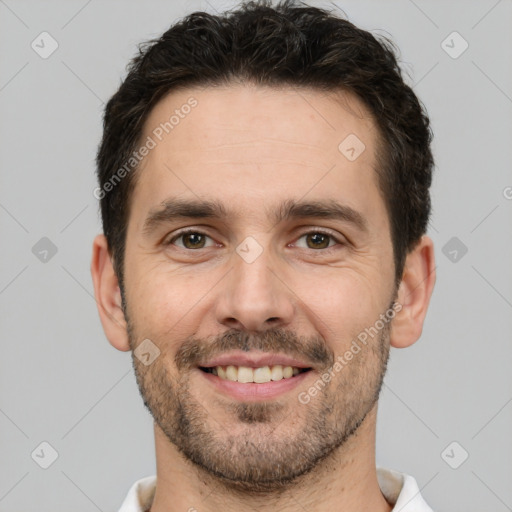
<point>414,294</point>
<point>108,295</point>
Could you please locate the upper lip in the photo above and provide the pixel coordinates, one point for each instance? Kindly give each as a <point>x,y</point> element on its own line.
<point>254,360</point>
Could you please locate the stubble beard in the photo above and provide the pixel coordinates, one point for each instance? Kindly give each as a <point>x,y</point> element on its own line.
<point>265,446</point>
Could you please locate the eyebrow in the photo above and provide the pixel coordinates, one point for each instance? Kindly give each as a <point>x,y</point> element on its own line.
<point>174,208</point>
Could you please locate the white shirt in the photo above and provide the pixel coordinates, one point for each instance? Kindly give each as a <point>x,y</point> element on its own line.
<point>399,489</point>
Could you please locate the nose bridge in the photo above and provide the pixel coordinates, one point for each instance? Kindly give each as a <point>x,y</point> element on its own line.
<point>253,298</point>
<point>254,279</point>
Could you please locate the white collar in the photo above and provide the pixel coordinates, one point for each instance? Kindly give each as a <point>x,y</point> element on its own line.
<point>399,489</point>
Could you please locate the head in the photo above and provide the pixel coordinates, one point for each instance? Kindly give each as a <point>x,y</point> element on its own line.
<point>264,182</point>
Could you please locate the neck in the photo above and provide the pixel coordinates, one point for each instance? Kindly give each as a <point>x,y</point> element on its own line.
<point>345,480</point>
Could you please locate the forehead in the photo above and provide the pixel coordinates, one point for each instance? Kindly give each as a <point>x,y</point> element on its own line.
<point>256,116</point>
<point>246,143</point>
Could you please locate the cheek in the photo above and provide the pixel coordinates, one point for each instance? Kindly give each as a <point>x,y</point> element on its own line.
<point>343,305</point>
<point>156,300</point>
<point>171,304</point>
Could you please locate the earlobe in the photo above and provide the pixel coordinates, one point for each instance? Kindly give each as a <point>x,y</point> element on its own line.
<point>108,295</point>
<point>414,294</point>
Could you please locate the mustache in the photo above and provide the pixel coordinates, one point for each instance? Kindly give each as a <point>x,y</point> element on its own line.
<point>196,351</point>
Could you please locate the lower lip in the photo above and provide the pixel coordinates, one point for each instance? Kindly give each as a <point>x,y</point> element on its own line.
<point>255,392</point>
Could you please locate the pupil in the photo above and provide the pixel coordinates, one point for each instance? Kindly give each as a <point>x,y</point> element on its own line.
<point>194,240</point>
<point>319,240</point>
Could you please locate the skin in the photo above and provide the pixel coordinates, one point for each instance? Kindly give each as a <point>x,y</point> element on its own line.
<point>252,148</point>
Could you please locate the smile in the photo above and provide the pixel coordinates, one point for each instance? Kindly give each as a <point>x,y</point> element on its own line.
<point>261,375</point>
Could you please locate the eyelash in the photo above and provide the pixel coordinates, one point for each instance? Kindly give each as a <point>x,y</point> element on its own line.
<point>312,232</point>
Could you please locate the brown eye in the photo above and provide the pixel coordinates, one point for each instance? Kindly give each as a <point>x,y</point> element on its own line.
<point>191,240</point>
<point>318,240</point>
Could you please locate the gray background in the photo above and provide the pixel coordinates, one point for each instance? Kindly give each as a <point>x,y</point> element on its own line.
<point>60,380</point>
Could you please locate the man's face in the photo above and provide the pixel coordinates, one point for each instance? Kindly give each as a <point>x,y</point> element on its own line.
<point>267,276</point>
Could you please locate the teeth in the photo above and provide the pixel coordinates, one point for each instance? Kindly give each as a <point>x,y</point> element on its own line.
<point>287,372</point>
<point>231,373</point>
<point>277,372</point>
<point>261,375</point>
<point>245,374</point>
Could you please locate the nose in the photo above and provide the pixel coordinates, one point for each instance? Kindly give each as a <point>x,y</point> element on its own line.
<point>254,296</point>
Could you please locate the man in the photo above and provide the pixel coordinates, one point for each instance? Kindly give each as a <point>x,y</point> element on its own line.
<point>264,181</point>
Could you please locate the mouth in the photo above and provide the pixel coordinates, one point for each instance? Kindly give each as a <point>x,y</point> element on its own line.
<point>254,376</point>
<point>260,375</point>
